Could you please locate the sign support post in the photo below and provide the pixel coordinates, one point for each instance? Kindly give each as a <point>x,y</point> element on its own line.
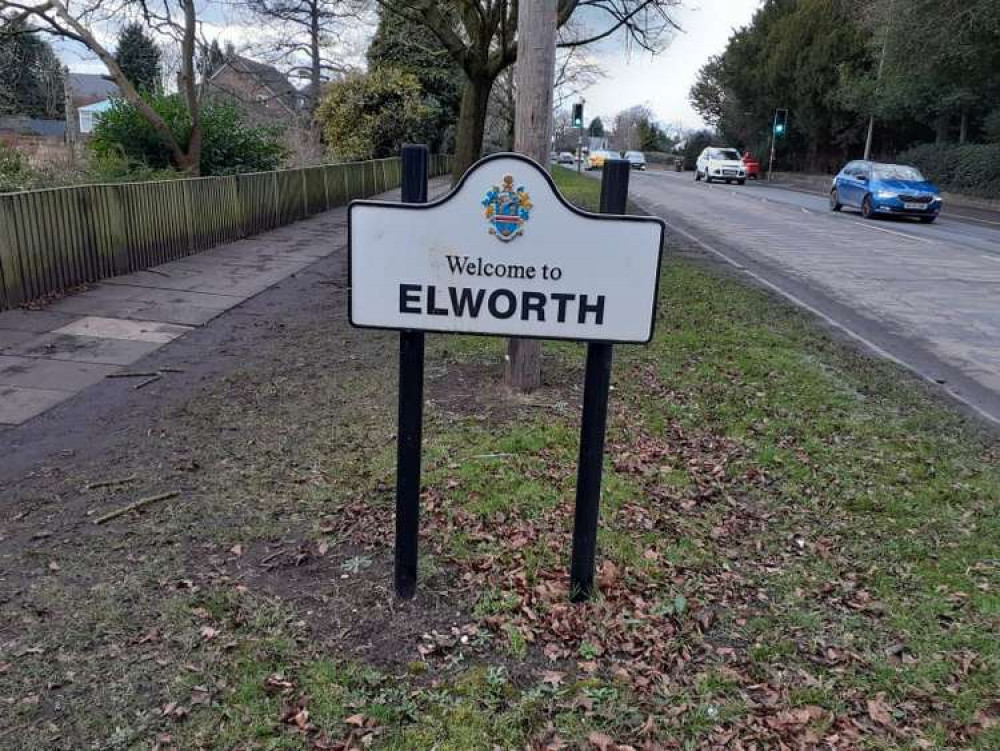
<point>411,407</point>
<point>503,254</point>
<point>597,381</point>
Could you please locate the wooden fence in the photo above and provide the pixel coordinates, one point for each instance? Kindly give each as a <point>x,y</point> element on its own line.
<point>51,240</point>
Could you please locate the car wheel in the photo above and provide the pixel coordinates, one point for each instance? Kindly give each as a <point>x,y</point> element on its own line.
<point>741,182</point>
<point>867,211</point>
<point>835,204</point>
<point>928,219</point>
<point>697,175</point>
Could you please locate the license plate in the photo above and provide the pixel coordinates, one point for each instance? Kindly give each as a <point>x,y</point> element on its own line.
<point>914,206</point>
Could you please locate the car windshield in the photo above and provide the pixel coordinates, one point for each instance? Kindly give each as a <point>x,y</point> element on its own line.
<point>634,155</point>
<point>898,172</point>
<point>728,154</point>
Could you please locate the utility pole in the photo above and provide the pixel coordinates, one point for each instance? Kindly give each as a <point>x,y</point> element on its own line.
<point>878,83</point>
<point>536,66</point>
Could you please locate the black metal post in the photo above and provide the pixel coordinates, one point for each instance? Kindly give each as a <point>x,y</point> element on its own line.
<point>411,407</point>
<point>614,199</point>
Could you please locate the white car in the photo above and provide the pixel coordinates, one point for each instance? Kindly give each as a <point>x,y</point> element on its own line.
<point>720,164</point>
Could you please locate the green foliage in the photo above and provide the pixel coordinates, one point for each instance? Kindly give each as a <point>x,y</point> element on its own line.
<point>794,54</point>
<point>14,173</point>
<point>370,115</point>
<point>966,168</point>
<point>942,59</point>
<point>411,47</point>
<point>991,126</point>
<point>820,60</point>
<point>229,144</point>
<point>696,143</point>
<point>139,58</point>
<point>31,79</point>
<point>596,128</point>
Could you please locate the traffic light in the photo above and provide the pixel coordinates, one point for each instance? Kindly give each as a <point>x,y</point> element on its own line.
<point>780,122</point>
<point>578,115</point>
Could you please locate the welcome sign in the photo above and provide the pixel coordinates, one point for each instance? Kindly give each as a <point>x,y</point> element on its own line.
<point>504,254</point>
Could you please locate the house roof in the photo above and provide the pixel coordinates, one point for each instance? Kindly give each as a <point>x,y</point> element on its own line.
<point>268,75</point>
<point>92,86</point>
<point>32,126</point>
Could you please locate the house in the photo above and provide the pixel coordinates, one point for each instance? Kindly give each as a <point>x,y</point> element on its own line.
<point>261,89</point>
<point>90,114</point>
<point>88,88</point>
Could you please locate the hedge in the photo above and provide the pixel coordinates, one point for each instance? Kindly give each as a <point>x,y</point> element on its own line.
<point>969,168</point>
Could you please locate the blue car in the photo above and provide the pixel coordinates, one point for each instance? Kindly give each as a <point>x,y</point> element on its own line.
<point>885,190</point>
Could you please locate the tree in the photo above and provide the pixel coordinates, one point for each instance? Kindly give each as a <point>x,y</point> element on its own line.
<point>596,128</point>
<point>31,79</point>
<point>794,54</point>
<point>229,144</point>
<point>942,62</point>
<point>176,18</point>
<point>308,28</point>
<point>139,58</point>
<point>412,48</point>
<point>481,36</point>
<point>212,58</point>
<point>370,115</point>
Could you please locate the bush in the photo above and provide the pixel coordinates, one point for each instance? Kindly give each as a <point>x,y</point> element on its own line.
<point>14,173</point>
<point>229,145</point>
<point>968,168</point>
<point>370,115</point>
<point>991,126</point>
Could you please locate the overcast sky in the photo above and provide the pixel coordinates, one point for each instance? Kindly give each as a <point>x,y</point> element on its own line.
<point>662,81</point>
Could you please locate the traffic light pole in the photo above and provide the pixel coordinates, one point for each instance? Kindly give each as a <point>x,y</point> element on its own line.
<point>578,122</point>
<point>770,162</point>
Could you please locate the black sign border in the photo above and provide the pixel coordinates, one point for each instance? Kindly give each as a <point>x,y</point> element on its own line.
<point>451,194</point>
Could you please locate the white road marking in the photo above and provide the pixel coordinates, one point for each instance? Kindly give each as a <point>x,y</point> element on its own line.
<point>907,235</point>
<point>872,346</point>
<point>967,218</point>
<point>992,258</point>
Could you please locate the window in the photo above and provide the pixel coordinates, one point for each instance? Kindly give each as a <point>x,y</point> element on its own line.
<point>86,121</point>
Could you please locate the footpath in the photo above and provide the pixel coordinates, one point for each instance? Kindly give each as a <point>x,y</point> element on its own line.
<point>49,355</point>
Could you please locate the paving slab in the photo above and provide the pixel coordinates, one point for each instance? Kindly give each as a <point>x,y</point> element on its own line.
<point>48,356</point>
<point>179,313</point>
<point>55,375</point>
<point>19,405</point>
<point>33,320</point>
<point>129,330</point>
<point>84,349</point>
<point>10,338</point>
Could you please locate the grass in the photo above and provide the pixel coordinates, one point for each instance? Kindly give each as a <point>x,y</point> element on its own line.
<point>798,545</point>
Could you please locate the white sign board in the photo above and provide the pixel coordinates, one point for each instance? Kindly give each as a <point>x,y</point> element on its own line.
<point>504,254</point>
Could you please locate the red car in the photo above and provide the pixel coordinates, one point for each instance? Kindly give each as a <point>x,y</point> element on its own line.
<point>752,166</point>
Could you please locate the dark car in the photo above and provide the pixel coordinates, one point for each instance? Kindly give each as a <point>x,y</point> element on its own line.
<point>885,190</point>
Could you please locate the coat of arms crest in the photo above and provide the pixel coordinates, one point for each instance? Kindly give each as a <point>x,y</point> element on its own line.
<point>507,209</point>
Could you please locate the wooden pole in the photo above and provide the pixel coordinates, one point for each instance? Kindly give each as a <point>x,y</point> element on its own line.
<point>411,408</point>
<point>597,381</point>
<point>536,61</point>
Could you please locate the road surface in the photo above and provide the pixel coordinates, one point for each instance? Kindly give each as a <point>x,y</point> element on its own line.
<point>926,296</point>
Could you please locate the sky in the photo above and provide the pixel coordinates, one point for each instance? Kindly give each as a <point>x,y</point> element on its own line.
<point>662,82</point>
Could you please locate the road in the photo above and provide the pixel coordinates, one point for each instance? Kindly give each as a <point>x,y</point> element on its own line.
<point>926,296</point>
